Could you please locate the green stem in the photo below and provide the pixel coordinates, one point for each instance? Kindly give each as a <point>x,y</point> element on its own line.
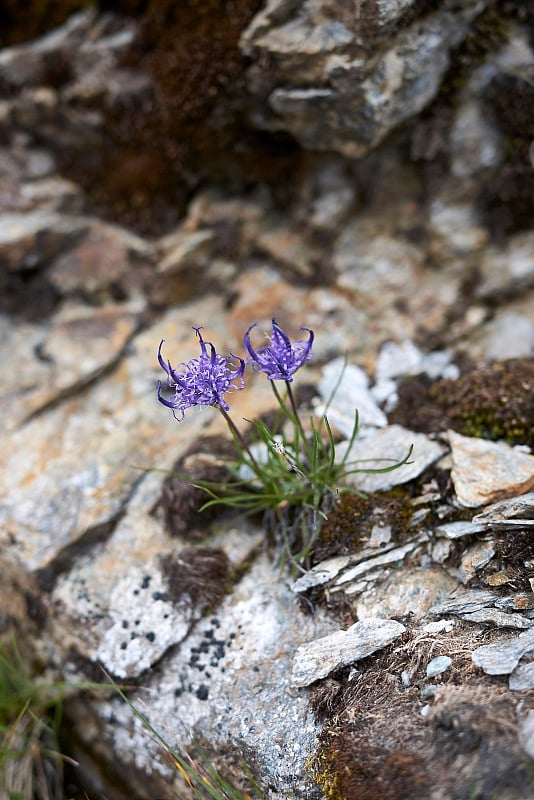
<point>294,408</point>
<point>239,440</point>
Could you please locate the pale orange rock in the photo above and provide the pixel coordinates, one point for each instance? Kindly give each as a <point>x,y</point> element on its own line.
<point>484,472</point>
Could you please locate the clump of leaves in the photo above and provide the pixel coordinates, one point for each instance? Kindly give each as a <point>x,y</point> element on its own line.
<point>292,477</point>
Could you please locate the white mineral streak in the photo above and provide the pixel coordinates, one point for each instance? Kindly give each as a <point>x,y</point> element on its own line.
<point>317,659</point>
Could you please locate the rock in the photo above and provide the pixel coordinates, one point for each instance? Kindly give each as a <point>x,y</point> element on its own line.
<point>407,590</point>
<point>511,336</point>
<point>230,677</point>
<point>502,657</point>
<point>396,554</point>
<point>30,240</point>
<point>455,530</point>
<point>321,573</point>
<point>342,85</point>
<point>499,618</point>
<point>437,666</point>
<point>521,507</point>
<point>317,659</point>
<point>509,268</point>
<point>465,602</point>
<point>455,228</point>
<point>476,557</point>
<point>344,388</point>
<point>475,144</point>
<point>400,359</point>
<point>484,472</point>
<point>526,733</point>
<point>118,426</point>
<point>382,447</point>
<point>27,64</point>
<point>103,259</point>
<point>66,355</point>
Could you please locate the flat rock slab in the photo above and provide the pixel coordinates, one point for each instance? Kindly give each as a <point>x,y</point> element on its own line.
<point>317,659</point>
<point>381,449</point>
<point>501,658</point>
<point>484,472</point>
<point>521,507</point>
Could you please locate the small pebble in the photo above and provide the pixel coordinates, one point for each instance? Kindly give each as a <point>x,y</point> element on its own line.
<point>437,666</point>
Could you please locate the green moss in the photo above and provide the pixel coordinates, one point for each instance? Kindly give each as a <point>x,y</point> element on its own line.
<point>493,402</point>
<point>351,522</point>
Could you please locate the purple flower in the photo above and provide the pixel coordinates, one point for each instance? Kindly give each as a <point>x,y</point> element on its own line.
<point>203,381</point>
<point>280,359</point>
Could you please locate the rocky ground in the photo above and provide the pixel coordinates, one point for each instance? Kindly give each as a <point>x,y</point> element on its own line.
<point>367,173</point>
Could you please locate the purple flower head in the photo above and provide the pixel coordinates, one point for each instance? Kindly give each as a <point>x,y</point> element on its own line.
<point>203,381</point>
<point>279,359</point>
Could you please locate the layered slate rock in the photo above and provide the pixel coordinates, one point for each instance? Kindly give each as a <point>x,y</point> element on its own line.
<point>336,80</point>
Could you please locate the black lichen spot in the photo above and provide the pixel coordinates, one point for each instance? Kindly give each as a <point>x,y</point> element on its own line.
<point>202,692</point>
<point>146,582</point>
<point>151,636</point>
<point>198,572</point>
<point>125,623</point>
<point>124,645</point>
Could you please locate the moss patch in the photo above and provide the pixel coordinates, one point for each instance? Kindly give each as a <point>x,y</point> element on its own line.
<point>377,744</point>
<point>493,402</point>
<point>350,524</point>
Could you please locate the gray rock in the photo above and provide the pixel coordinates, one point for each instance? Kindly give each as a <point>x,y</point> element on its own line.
<point>437,666</point>
<point>455,530</point>
<point>25,64</point>
<point>526,733</point>
<point>334,86</point>
<point>50,497</point>
<point>501,658</point>
<point>229,683</point>
<point>474,558</point>
<point>511,336</point>
<point>64,356</point>
<point>522,678</point>
<point>344,388</point>
<point>106,256</point>
<point>29,240</point>
<point>382,447</point>
<point>509,268</point>
<point>317,659</point>
<point>465,602</point>
<point>394,555</point>
<point>321,573</point>
<point>521,507</point>
<point>407,590</point>
<point>499,618</point>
